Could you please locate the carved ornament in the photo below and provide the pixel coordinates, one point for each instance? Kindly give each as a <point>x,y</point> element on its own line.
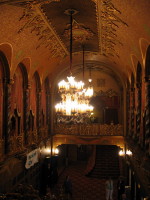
<point>89,129</point>
<point>108,22</point>
<point>80,33</point>
<point>36,20</point>
<point>109,93</point>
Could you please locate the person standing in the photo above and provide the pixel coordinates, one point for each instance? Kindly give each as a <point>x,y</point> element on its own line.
<point>121,188</point>
<point>68,187</point>
<point>109,189</point>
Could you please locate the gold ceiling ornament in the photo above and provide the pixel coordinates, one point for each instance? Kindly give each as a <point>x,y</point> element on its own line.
<point>108,23</point>
<point>27,2</point>
<point>36,20</point>
<point>80,33</point>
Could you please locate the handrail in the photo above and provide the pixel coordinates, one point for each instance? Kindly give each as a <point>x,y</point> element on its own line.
<point>89,129</point>
<point>91,161</point>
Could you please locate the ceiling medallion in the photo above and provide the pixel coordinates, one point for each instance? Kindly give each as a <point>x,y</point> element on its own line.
<point>79,32</point>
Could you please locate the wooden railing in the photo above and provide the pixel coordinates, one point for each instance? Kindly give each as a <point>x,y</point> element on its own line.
<point>89,129</point>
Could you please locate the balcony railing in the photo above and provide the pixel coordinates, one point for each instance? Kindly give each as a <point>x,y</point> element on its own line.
<point>89,129</point>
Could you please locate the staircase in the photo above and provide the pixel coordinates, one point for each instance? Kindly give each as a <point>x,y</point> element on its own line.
<point>106,162</point>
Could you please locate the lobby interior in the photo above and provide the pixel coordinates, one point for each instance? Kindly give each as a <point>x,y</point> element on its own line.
<point>109,44</point>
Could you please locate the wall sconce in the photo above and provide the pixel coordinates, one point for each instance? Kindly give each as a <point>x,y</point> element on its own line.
<point>47,151</point>
<point>121,153</point>
<point>129,153</point>
<point>56,151</point>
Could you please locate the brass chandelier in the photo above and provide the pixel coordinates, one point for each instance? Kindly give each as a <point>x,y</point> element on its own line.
<point>74,96</point>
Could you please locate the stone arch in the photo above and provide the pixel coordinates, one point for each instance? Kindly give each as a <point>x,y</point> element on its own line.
<point>38,82</point>
<point>19,87</point>
<point>25,75</point>
<point>25,103</point>
<point>15,123</point>
<point>35,100</point>
<point>4,100</point>
<point>31,121</point>
<point>139,73</point>
<point>7,50</point>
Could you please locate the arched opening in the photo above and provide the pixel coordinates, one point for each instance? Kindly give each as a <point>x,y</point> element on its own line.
<point>4,100</point>
<point>15,123</point>
<point>25,101</point>
<point>31,121</point>
<point>35,100</point>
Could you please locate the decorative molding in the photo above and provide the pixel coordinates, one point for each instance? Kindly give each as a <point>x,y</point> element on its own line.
<point>108,22</point>
<point>37,21</point>
<point>26,2</point>
<point>109,93</point>
<point>80,32</point>
<point>89,129</point>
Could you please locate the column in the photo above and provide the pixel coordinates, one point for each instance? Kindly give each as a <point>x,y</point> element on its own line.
<point>7,115</point>
<point>147,116</point>
<point>138,117</point>
<point>38,122</point>
<point>26,113</point>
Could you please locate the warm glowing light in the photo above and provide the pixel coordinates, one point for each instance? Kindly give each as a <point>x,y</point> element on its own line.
<point>89,92</point>
<point>70,84</point>
<point>90,80</point>
<point>128,152</point>
<point>56,151</point>
<point>121,153</point>
<point>75,99</point>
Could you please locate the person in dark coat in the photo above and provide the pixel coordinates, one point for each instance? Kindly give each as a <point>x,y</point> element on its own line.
<point>68,187</point>
<point>121,188</point>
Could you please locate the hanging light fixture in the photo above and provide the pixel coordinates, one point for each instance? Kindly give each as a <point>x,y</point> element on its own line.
<point>75,98</point>
<point>90,91</point>
<point>70,89</point>
<point>85,95</point>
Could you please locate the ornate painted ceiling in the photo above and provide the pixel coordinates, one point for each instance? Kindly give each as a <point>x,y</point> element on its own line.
<point>115,33</point>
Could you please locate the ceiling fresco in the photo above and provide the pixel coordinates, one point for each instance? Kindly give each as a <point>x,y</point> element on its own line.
<point>99,23</point>
<point>109,29</point>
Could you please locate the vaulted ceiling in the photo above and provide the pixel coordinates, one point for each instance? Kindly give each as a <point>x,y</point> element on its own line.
<point>117,34</point>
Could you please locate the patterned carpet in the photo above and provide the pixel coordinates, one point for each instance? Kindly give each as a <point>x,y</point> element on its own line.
<point>85,188</point>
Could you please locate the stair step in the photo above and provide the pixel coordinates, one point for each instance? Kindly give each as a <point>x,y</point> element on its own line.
<point>106,162</point>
